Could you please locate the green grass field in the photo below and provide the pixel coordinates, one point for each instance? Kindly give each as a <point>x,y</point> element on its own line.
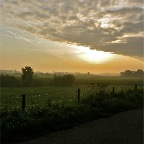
<point>11,97</point>
<point>52,108</point>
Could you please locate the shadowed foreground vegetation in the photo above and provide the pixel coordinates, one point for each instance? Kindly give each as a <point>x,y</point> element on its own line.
<point>17,125</point>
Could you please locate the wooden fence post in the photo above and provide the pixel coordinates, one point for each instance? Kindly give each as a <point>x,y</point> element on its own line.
<point>23,102</point>
<point>10,104</point>
<point>78,95</point>
<point>113,90</point>
<point>135,88</point>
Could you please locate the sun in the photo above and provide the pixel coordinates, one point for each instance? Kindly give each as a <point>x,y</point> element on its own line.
<point>92,56</point>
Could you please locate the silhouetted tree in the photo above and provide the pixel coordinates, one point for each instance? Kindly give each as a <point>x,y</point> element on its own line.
<point>66,80</point>
<point>27,76</point>
<point>128,73</point>
<point>8,81</point>
<point>139,73</point>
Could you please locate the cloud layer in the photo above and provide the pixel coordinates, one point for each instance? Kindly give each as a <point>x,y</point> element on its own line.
<point>114,26</point>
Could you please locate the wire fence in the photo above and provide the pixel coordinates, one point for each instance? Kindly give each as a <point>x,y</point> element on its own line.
<point>34,100</point>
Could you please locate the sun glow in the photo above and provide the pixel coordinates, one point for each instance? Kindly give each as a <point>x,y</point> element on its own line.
<point>92,56</point>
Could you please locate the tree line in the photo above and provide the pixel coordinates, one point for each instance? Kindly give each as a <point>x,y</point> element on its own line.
<point>128,73</point>
<point>9,81</point>
<point>27,79</point>
<point>66,80</point>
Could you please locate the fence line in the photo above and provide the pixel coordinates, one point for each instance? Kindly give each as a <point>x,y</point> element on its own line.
<point>79,95</point>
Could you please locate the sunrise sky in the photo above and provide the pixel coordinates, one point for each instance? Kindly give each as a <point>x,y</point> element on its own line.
<point>97,36</point>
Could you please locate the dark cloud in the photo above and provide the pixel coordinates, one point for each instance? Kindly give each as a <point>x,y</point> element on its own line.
<point>115,26</point>
<point>133,47</point>
<point>136,2</point>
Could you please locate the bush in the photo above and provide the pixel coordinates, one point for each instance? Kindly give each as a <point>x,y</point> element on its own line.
<point>66,80</point>
<point>120,101</point>
<point>9,81</point>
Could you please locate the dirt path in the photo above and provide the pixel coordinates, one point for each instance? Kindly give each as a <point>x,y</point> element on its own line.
<point>123,128</point>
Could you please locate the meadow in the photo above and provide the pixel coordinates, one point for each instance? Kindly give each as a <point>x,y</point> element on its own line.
<point>11,96</point>
<point>50,108</point>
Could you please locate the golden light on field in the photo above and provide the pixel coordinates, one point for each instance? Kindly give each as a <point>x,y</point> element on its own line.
<point>92,56</point>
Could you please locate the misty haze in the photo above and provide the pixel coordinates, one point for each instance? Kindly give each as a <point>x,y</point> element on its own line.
<point>71,72</point>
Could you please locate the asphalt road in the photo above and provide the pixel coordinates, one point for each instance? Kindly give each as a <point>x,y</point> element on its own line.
<point>123,128</point>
